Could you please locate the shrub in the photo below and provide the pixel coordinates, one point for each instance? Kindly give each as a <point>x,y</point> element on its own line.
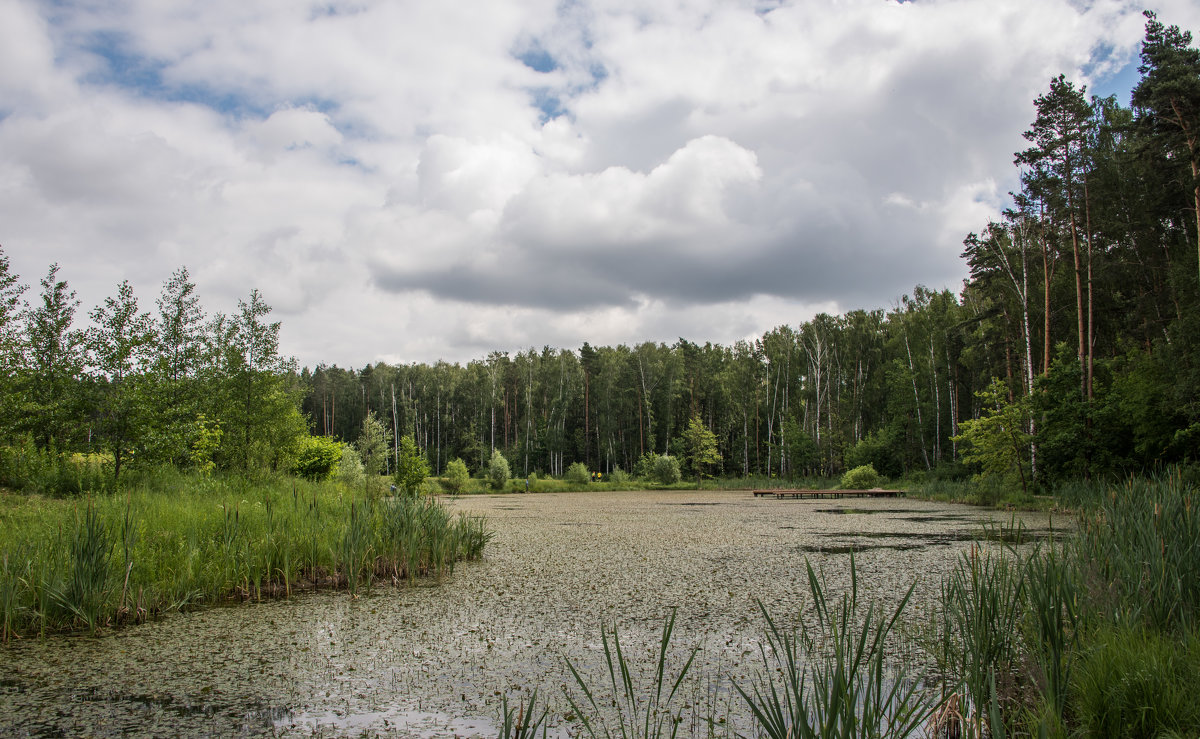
<point>413,467</point>
<point>618,476</point>
<point>863,477</point>
<point>456,476</point>
<point>643,469</point>
<point>498,472</point>
<point>578,473</point>
<point>666,470</point>
<point>317,458</point>
<point>350,468</point>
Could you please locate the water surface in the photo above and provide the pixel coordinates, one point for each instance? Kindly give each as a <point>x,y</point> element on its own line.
<point>435,659</point>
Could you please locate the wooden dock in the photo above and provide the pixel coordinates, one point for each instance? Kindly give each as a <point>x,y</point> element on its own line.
<point>875,493</point>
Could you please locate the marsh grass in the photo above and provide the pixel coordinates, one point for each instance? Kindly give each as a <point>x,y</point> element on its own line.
<point>981,615</point>
<point>26,468</point>
<point>522,720</point>
<point>177,540</point>
<point>1134,682</point>
<point>1140,550</point>
<point>834,680</point>
<point>634,712</point>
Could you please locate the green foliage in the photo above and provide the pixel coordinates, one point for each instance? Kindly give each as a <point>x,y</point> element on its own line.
<point>578,474</point>
<point>618,476</point>
<point>700,447</point>
<point>11,342</point>
<point>803,454</point>
<point>373,444</point>
<point>979,635</point>
<point>860,478</point>
<point>879,450</point>
<point>457,476</point>
<point>54,356</point>
<point>997,442</point>
<point>631,712</point>
<point>522,721</point>
<point>25,467</point>
<point>833,680</point>
<point>350,467</point>
<point>498,471</point>
<point>118,343</point>
<point>1143,543</point>
<point>665,470</point>
<point>412,468</point>
<point>1136,683</point>
<point>317,458</point>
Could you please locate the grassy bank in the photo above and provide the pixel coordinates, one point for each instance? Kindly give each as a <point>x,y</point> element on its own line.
<point>174,540</point>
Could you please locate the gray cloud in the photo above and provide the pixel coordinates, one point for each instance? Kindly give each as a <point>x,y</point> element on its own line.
<point>440,180</point>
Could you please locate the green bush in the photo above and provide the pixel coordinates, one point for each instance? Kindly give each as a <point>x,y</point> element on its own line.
<point>413,467</point>
<point>350,467</point>
<point>578,473</point>
<point>618,476</point>
<point>498,471</point>
<point>863,477</point>
<point>317,458</point>
<point>456,476</point>
<point>643,469</point>
<point>666,470</point>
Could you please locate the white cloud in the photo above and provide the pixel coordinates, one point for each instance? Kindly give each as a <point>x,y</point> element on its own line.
<point>401,185</point>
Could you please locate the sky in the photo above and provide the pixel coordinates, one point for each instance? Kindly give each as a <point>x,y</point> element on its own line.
<point>417,180</point>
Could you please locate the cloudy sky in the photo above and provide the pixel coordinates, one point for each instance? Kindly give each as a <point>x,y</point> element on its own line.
<point>414,180</point>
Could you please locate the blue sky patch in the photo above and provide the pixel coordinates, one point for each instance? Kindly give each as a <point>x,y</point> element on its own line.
<point>143,76</point>
<point>539,60</point>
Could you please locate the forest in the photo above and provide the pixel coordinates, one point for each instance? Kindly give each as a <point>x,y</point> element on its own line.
<point>1072,350</point>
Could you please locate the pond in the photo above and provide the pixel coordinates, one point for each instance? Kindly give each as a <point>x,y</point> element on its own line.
<point>434,660</point>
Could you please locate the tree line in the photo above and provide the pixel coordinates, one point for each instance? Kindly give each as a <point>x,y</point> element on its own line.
<point>1070,351</point>
<point>169,387</point>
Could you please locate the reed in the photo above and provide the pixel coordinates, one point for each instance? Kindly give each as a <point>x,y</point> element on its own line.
<point>1140,550</point>
<point>833,680</point>
<point>981,602</point>
<point>173,541</point>
<point>522,720</point>
<point>632,712</point>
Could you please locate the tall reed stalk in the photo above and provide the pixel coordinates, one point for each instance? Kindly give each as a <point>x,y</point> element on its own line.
<point>635,713</point>
<point>833,680</point>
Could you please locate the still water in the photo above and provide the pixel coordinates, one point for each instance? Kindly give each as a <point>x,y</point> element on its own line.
<point>434,660</point>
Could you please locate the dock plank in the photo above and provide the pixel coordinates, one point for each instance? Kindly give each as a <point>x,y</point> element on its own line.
<point>875,493</point>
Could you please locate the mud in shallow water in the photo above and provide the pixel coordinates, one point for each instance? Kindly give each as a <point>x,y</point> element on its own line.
<point>434,660</point>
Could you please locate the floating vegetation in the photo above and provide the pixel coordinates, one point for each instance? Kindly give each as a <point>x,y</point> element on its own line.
<point>439,661</point>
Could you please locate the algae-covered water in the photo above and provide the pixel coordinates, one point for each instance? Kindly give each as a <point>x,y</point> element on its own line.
<point>435,659</point>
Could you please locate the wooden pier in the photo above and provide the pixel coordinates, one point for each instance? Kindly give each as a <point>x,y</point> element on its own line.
<point>876,493</point>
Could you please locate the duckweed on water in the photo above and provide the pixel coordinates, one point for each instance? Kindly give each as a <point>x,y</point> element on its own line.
<point>434,661</point>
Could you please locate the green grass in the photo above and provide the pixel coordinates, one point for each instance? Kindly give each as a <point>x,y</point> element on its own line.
<point>1132,682</point>
<point>174,540</point>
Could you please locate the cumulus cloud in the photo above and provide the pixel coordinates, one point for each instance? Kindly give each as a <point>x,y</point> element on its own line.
<point>439,180</point>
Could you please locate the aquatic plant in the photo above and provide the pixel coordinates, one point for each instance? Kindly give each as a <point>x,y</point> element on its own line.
<point>834,681</point>
<point>1140,548</point>
<point>979,633</point>
<point>176,540</point>
<point>519,722</point>
<point>635,713</point>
